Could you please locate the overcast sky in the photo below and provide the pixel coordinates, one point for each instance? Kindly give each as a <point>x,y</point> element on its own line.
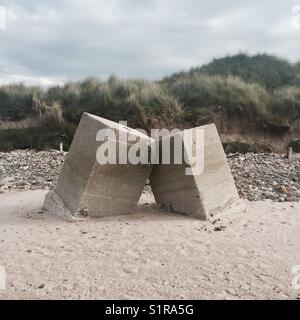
<point>47,41</point>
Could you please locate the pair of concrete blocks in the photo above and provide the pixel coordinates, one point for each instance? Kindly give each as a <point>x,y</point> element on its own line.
<point>86,187</point>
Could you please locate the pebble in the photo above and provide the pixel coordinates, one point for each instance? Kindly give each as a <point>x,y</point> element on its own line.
<point>263,176</point>
<point>257,177</point>
<point>30,170</point>
<point>282,189</point>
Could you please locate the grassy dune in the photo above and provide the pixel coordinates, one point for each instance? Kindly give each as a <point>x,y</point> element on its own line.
<point>262,90</point>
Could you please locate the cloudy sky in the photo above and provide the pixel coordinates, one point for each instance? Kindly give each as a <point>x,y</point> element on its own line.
<point>48,41</point>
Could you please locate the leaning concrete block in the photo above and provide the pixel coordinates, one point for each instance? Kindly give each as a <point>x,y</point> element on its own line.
<point>94,189</point>
<point>197,195</point>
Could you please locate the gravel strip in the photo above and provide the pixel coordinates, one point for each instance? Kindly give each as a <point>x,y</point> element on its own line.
<point>257,176</point>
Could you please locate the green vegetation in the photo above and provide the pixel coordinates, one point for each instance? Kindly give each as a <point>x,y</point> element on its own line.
<point>244,147</point>
<point>50,130</point>
<point>262,89</point>
<point>140,102</point>
<point>285,102</point>
<point>267,70</point>
<point>16,101</point>
<point>201,93</point>
<point>295,145</point>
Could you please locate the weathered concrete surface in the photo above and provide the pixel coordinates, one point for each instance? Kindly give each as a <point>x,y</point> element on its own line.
<point>200,196</point>
<point>96,190</point>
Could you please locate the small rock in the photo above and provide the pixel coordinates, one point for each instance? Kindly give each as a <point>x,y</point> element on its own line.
<point>257,177</point>
<point>2,190</point>
<point>282,189</point>
<point>220,228</point>
<point>291,199</point>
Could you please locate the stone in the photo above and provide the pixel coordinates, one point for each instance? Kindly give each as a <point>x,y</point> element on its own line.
<point>96,189</point>
<point>2,190</point>
<point>268,172</point>
<point>6,181</point>
<point>199,195</point>
<point>269,194</point>
<point>43,167</point>
<point>282,189</point>
<point>291,199</point>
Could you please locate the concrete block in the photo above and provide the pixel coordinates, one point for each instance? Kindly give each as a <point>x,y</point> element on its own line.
<point>94,189</point>
<point>200,196</point>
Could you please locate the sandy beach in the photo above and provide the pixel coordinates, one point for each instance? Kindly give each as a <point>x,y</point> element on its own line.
<point>150,254</point>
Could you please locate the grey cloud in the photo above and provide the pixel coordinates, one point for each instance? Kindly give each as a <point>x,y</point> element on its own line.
<point>56,39</point>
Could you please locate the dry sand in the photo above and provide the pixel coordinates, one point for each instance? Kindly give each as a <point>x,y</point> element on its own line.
<point>150,254</point>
